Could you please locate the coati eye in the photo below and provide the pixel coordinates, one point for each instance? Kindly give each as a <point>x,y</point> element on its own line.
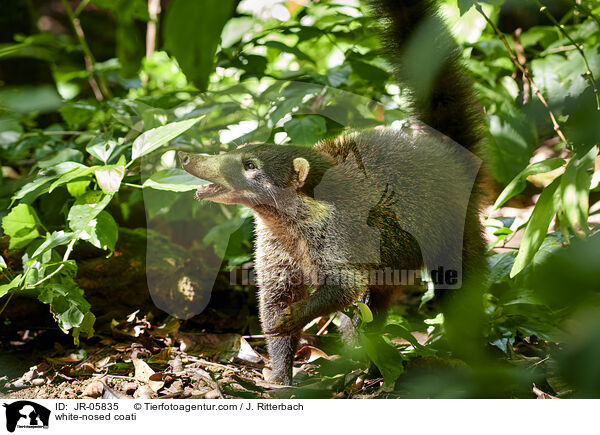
<point>250,166</point>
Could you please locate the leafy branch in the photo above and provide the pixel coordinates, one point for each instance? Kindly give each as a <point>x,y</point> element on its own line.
<point>588,75</point>
<point>526,75</point>
<point>99,87</point>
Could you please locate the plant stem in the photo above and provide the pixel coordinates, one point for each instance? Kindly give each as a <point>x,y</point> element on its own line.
<point>137,186</point>
<point>561,27</point>
<point>81,7</point>
<point>65,258</point>
<point>101,91</point>
<point>151,28</point>
<point>514,60</point>
<point>6,303</point>
<point>580,8</point>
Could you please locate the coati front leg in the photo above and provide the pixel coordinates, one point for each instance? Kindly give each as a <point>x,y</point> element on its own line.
<point>278,290</point>
<point>340,289</point>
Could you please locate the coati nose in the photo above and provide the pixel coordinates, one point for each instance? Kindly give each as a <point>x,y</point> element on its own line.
<point>184,158</point>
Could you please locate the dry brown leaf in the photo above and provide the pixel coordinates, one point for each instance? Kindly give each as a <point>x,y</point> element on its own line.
<point>309,354</point>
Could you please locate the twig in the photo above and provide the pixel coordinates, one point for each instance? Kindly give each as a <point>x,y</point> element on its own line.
<point>520,52</point>
<point>81,7</point>
<point>208,363</point>
<point>65,258</point>
<point>324,328</point>
<point>100,88</point>
<point>153,11</point>
<point>540,393</point>
<point>588,75</point>
<point>6,303</point>
<point>514,60</point>
<point>580,8</point>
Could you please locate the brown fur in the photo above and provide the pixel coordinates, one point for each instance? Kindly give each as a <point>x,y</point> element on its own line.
<point>319,210</point>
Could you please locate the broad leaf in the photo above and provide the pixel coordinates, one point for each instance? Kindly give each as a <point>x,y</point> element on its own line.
<point>575,186</point>
<point>102,231</point>
<point>6,288</point>
<point>545,209</point>
<point>78,172</point>
<point>175,180</point>
<point>102,146</point>
<point>518,184</point>
<point>306,130</point>
<point>384,355</point>
<point>86,208</point>
<point>109,177</point>
<point>53,240</point>
<point>21,226</point>
<point>365,312</point>
<point>192,32</point>
<point>159,136</point>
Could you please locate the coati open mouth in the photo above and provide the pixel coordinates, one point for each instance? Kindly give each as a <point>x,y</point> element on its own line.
<point>210,190</point>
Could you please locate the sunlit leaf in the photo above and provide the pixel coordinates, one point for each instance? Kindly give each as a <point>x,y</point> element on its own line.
<point>109,177</point>
<point>545,209</point>
<point>306,130</point>
<point>6,288</point>
<point>175,180</point>
<point>518,184</point>
<point>192,31</point>
<point>575,187</point>
<point>86,208</point>
<point>365,312</point>
<point>155,138</point>
<point>21,226</point>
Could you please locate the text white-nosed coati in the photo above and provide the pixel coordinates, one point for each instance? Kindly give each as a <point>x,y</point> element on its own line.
<point>401,200</point>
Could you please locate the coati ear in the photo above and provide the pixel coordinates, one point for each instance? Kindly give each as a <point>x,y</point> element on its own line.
<point>301,167</point>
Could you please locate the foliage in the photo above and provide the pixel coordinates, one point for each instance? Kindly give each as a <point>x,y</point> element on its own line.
<point>71,156</point>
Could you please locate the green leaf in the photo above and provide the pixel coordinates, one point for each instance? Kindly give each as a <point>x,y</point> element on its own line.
<point>78,188</point>
<point>109,177</point>
<point>86,326</point>
<point>307,130</point>
<point>78,113</point>
<point>26,99</point>
<point>80,171</point>
<point>102,146</point>
<point>192,31</point>
<point>384,355</point>
<point>57,238</point>
<point>518,184</point>
<point>67,302</point>
<point>102,232</point>
<point>6,288</point>
<point>175,180</point>
<point>464,6</point>
<point>86,208</point>
<point>338,75</point>
<point>31,187</point>
<point>21,226</point>
<point>575,186</point>
<point>157,137</point>
<point>300,55</point>
<point>365,312</point>
<point>545,209</point>
<point>2,263</point>
<point>512,141</point>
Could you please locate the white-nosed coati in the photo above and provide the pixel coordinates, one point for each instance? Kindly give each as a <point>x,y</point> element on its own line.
<point>370,200</point>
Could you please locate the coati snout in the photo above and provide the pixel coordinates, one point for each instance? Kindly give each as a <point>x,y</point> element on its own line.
<point>256,175</point>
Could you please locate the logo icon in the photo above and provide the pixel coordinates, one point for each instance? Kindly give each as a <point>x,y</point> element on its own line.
<point>26,414</point>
